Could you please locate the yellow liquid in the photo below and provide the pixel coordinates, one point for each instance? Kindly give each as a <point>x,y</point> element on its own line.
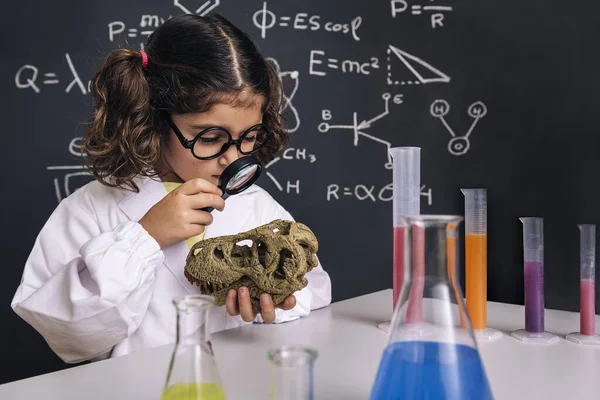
<point>194,391</point>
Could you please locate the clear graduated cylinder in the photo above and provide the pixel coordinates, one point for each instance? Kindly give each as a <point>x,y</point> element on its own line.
<point>292,373</point>
<point>406,201</point>
<point>476,262</point>
<point>587,282</point>
<point>437,357</point>
<point>533,264</point>
<point>193,372</point>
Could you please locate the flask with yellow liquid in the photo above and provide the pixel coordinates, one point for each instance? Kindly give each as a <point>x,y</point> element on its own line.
<point>193,373</point>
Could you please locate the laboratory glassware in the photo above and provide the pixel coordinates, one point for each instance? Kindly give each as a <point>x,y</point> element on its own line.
<point>193,372</point>
<point>435,357</point>
<point>533,260</point>
<point>587,282</point>
<point>406,176</point>
<point>292,372</point>
<point>476,262</point>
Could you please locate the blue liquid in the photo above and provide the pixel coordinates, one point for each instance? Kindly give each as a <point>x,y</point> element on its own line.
<point>430,370</point>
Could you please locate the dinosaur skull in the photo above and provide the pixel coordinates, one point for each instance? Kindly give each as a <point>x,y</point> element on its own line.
<point>272,258</point>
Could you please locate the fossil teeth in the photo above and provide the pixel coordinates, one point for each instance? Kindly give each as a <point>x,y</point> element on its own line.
<point>208,287</point>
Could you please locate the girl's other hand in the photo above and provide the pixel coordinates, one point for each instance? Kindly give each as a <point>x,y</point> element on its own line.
<point>178,216</point>
<point>239,303</point>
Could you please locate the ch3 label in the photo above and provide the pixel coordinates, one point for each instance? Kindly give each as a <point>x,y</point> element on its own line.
<point>298,154</point>
<point>370,192</point>
<point>289,154</point>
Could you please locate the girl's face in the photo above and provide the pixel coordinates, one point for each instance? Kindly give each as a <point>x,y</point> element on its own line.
<point>182,163</point>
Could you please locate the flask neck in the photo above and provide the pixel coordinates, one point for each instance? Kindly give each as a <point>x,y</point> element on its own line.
<point>431,251</point>
<point>193,369</point>
<point>430,303</point>
<point>192,321</point>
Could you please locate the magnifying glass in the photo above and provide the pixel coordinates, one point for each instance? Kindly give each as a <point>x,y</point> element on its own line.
<point>238,176</point>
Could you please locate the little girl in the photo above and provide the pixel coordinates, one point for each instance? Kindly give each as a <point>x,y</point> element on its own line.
<point>103,272</point>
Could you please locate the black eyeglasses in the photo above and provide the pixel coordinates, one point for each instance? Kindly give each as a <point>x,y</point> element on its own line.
<point>214,141</point>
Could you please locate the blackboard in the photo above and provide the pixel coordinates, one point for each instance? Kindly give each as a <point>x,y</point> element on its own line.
<point>517,83</point>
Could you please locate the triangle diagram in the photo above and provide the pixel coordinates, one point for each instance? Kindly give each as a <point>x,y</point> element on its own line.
<point>422,71</point>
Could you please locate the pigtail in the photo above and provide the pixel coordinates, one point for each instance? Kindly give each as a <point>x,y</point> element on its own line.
<point>121,141</point>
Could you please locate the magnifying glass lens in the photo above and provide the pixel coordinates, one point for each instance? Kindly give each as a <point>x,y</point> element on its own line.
<point>242,177</point>
<point>238,176</point>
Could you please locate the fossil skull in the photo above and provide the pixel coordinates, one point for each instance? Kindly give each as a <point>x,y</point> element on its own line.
<point>272,258</point>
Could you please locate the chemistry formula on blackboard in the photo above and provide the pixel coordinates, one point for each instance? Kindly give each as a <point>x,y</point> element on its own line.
<point>392,65</point>
<point>265,19</point>
<point>435,12</point>
<point>370,192</point>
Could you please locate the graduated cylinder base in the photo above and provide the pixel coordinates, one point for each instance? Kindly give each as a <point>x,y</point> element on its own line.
<point>531,337</point>
<point>384,326</point>
<point>487,334</point>
<point>415,331</point>
<point>586,340</point>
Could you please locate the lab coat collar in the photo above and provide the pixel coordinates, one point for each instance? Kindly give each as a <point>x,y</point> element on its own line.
<point>136,205</point>
<point>151,191</point>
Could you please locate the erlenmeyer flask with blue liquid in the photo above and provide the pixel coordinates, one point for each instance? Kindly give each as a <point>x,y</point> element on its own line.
<point>431,351</point>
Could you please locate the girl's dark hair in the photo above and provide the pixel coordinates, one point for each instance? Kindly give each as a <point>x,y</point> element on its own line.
<point>194,62</point>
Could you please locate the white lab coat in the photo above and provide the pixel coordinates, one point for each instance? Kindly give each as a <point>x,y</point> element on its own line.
<point>97,285</point>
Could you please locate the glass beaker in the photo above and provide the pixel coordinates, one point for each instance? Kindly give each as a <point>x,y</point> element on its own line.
<point>435,357</point>
<point>292,373</point>
<point>193,373</point>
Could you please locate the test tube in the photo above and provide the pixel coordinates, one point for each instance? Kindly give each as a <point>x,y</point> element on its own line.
<point>406,175</point>
<point>533,257</point>
<point>587,271</point>
<point>476,262</point>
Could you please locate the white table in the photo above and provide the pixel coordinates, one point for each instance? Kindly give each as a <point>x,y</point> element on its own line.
<point>349,345</point>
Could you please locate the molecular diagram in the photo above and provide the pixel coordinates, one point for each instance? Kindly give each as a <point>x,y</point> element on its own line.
<point>358,128</point>
<point>288,98</point>
<point>458,145</point>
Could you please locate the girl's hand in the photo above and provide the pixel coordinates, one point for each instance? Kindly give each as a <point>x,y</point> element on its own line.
<point>178,216</point>
<point>239,303</point>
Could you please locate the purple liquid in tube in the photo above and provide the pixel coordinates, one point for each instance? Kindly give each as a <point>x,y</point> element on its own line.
<point>534,296</point>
